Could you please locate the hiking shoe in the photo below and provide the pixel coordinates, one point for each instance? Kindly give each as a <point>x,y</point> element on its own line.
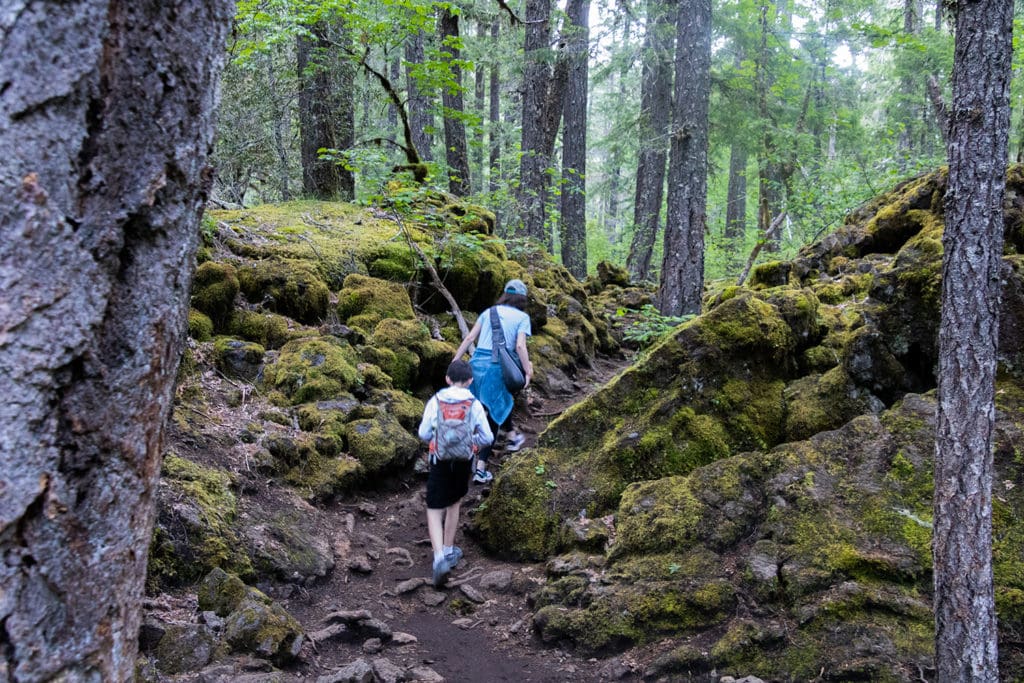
<point>441,569</point>
<point>482,477</point>
<point>515,442</point>
<point>454,556</point>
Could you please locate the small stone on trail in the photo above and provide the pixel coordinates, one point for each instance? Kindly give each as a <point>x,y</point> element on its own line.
<point>400,638</point>
<point>409,585</point>
<point>472,593</point>
<point>350,523</point>
<point>400,557</point>
<point>360,564</point>
<point>464,624</point>
<point>423,674</point>
<point>516,627</point>
<point>376,628</point>
<point>368,509</point>
<point>432,598</point>
<point>358,671</point>
<point>332,631</point>
<point>349,616</point>
<point>387,672</point>
<point>498,581</point>
<point>368,540</point>
<point>372,646</point>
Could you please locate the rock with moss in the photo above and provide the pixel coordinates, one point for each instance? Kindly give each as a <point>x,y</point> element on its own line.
<point>314,369</point>
<point>287,545</point>
<point>238,359</point>
<point>380,443</point>
<point>221,592</point>
<point>290,287</point>
<point>365,301</point>
<point>269,330</point>
<point>195,530</point>
<point>313,464</point>
<point>184,647</point>
<point>214,288</point>
<point>200,327</point>
<point>265,629</point>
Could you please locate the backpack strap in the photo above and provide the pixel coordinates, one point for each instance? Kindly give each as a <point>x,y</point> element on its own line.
<point>496,333</point>
<point>432,446</point>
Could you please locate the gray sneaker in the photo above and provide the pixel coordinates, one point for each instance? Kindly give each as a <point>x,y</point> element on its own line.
<point>515,442</point>
<point>441,569</point>
<point>454,556</point>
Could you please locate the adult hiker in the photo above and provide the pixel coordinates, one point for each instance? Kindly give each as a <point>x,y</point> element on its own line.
<point>488,383</point>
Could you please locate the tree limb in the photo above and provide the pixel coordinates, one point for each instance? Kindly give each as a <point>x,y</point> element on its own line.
<point>939,107</point>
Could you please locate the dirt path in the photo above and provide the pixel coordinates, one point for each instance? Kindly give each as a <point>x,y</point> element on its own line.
<point>475,629</point>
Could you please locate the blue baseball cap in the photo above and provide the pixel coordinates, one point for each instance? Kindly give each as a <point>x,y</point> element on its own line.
<point>515,287</point>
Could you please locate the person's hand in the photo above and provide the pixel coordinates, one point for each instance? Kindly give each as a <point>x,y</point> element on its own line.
<point>529,375</point>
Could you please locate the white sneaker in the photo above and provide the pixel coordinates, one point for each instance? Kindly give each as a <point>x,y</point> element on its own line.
<point>483,477</point>
<point>515,442</point>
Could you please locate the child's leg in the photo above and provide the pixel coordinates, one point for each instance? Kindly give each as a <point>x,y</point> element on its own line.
<point>435,526</point>
<point>485,452</point>
<point>451,524</point>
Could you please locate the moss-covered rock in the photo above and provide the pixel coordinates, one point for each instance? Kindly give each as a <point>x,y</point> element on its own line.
<point>196,512</point>
<point>238,359</point>
<point>380,443</point>
<point>265,629</point>
<point>184,648</point>
<point>364,301</point>
<point>290,287</point>
<point>200,327</point>
<point>314,369</point>
<point>214,288</point>
<point>269,330</point>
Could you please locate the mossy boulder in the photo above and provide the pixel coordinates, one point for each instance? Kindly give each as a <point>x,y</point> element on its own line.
<point>287,545</point>
<point>269,330</point>
<point>214,288</point>
<point>265,629</point>
<point>200,327</point>
<point>221,592</point>
<point>313,464</point>
<point>185,647</point>
<point>314,369</point>
<point>291,287</point>
<point>365,301</point>
<point>380,443</point>
<point>238,359</point>
<point>195,530</point>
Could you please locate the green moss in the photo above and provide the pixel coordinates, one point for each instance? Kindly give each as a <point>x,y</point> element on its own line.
<point>365,301</point>
<point>395,343</point>
<point>237,358</point>
<point>772,274</point>
<point>817,403</point>
<point>380,443</point>
<point>314,369</point>
<point>747,324</point>
<point>393,261</point>
<point>267,329</point>
<point>200,327</point>
<point>658,516</point>
<point>290,287</point>
<point>214,288</point>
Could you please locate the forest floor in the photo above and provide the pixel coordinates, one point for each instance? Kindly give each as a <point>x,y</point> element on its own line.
<point>476,628</point>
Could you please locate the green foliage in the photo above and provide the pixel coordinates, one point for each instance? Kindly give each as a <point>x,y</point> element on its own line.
<point>651,325</point>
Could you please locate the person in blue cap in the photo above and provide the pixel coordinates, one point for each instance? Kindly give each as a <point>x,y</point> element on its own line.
<point>488,385</point>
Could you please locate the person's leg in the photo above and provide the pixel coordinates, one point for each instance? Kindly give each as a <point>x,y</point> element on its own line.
<point>482,476</point>
<point>451,523</point>
<point>513,437</point>
<point>435,527</point>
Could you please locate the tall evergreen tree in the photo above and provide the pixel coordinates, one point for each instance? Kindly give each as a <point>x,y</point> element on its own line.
<point>965,617</point>
<point>457,151</point>
<point>682,269</point>
<point>574,142</point>
<point>533,178</point>
<point>421,118</point>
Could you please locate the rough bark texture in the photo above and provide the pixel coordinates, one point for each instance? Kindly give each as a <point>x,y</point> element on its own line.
<point>536,77</point>
<point>655,104</point>
<point>421,119</point>
<point>457,153</point>
<point>965,618</point>
<point>105,129</point>
<point>494,123</point>
<point>326,114</point>
<point>479,104</point>
<point>682,269</point>
<point>736,197</point>
<point>574,142</point>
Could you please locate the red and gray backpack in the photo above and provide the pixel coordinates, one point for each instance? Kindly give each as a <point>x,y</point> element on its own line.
<point>453,430</point>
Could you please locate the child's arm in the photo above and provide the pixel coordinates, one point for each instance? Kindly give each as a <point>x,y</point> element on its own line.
<point>482,435</point>
<point>426,431</point>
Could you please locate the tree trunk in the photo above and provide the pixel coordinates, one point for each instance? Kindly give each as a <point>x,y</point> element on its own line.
<point>421,119</point>
<point>326,114</point>
<point>655,104</point>
<point>965,617</point>
<point>456,152</point>
<point>574,142</point>
<point>479,93</point>
<point>682,270</point>
<point>494,130</point>
<point>395,75</point>
<point>106,125</point>
<point>533,182</point>
<point>736,195</point>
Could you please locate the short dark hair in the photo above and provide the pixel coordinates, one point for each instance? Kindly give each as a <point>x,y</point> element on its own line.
<point>513,300</point>
<point>459,371</point>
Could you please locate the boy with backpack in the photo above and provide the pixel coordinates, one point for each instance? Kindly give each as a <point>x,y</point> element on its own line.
<point>455,425</point>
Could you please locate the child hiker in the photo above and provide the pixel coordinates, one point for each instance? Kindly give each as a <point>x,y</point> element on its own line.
<point>455,425</point>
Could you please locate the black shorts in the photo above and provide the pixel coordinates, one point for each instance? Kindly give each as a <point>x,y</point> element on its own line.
<point>448,482</point>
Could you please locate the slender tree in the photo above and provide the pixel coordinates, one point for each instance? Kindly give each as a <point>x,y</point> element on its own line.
<point>533,182</point>
<point>574,142</point>
<point>965,618</point>
<point>457,152</point>
<point>655,105</point>
<point>421,118</point>
<point>682,270</point>
<point>103,167</point>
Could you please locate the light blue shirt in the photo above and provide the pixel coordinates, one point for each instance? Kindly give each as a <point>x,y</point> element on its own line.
<point>513,321</point>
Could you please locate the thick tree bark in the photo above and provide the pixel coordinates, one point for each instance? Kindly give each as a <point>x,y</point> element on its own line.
<point>494,131</point>
<point>457,153</point>
<point>105,129</point>
<point>965,617</point>
<point>326,113</point>
<point>655,105</point>
<point>421,119</point>
<point>479,104</point>
<point>682,270</point>
<point>574,142</point>
<point>533,185</point>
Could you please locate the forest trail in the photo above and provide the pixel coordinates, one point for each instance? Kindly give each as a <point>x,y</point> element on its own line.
<point>477,628</point>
